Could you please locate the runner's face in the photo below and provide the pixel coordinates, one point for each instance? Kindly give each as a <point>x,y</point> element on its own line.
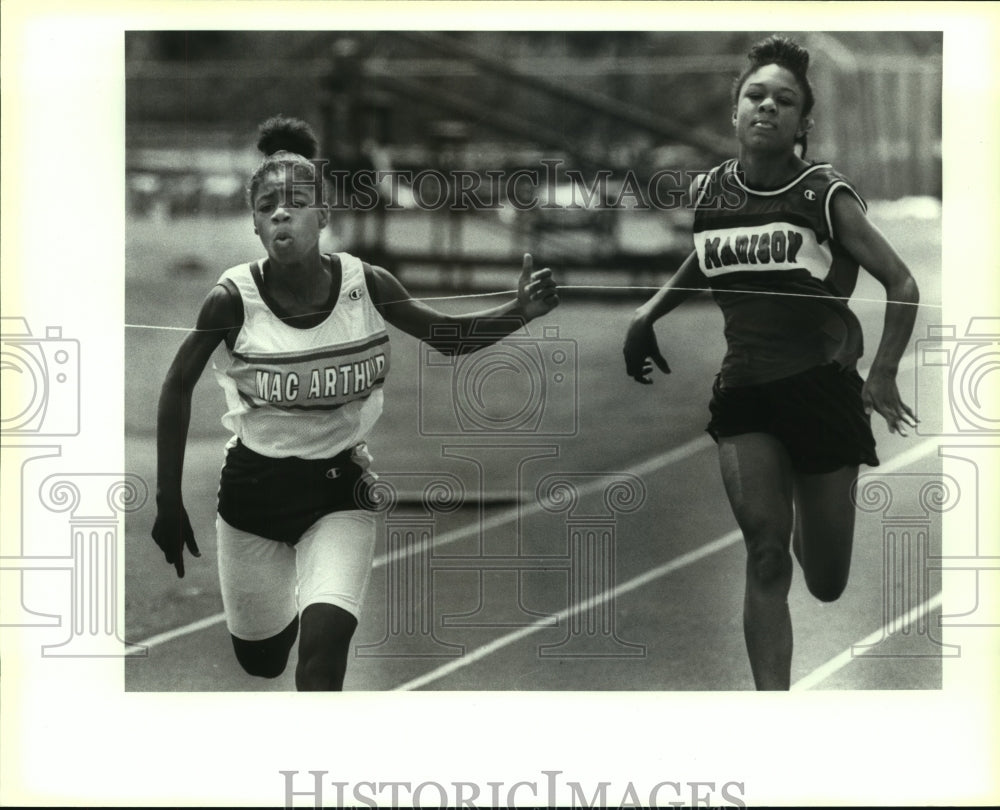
<point>768,115</point>
<point>286,218</point>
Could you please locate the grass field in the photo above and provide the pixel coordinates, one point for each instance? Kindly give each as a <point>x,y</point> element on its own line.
<point>674,628</point>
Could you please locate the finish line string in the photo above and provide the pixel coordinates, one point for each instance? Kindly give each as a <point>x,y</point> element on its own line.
<point>562,287</point>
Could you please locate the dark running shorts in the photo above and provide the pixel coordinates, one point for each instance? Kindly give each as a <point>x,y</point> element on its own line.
<point>817,415</point>
<point>279,498</point>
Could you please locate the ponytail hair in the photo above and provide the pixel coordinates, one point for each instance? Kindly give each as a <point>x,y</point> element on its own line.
<point>284,142</point>
<point>781,51</point>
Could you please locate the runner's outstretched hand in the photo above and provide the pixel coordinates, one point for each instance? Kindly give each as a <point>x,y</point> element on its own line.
<point>172,532</point>
<point>641,351</point>
<point>536,290</point>
<point>881,394</point>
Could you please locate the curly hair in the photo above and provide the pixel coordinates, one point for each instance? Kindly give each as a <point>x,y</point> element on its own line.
<point>781,51</point>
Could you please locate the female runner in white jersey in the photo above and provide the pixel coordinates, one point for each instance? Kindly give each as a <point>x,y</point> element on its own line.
<point>789,411</point>
<point>306,353</point>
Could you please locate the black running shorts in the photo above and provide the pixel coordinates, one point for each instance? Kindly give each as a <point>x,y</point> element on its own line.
<point>817,415</point>
<point>279,498</point>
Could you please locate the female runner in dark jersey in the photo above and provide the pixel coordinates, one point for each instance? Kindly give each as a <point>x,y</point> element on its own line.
<point>789,411</point>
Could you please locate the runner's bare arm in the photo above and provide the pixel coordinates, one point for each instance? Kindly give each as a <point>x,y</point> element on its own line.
<point>537,295</point>
<point>641,349</point>
<point>172,529</point>
<point>872,250</point>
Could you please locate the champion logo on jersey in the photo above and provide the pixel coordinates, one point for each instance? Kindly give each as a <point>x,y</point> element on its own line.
<point>810,194</point>
<point>356,294</point>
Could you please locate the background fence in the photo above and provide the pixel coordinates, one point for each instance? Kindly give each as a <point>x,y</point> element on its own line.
<point>621,102</point>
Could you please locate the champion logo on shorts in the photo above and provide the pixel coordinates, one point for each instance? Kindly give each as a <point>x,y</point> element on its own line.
<point>356,294</point>
<point>333,472</point>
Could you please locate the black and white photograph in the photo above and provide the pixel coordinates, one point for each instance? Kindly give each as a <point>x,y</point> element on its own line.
<point>526,493</point>
<point>573,374</point>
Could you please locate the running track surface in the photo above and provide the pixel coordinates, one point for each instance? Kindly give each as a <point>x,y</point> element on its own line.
<point>503,605</point>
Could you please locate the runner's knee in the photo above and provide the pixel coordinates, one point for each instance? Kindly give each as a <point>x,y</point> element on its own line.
<point>267,658</point>
<point>325,625</point>
<point>323,649</point>
<point>325,629</point>
<point>827,589</point>
<point>770,566</point>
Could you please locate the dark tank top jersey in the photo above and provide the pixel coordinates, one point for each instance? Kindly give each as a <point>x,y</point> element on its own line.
<point>778,273</point>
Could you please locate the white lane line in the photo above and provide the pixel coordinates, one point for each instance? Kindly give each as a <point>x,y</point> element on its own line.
<point>586,604</point>
<point>838,662</point>
<point>895,463</point>
<point>510,514</point>
<point>665,459</point>
<point>906,458</point>
<point>170,635</point>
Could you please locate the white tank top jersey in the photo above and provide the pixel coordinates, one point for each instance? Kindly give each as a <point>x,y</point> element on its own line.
<point>307,392</point>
